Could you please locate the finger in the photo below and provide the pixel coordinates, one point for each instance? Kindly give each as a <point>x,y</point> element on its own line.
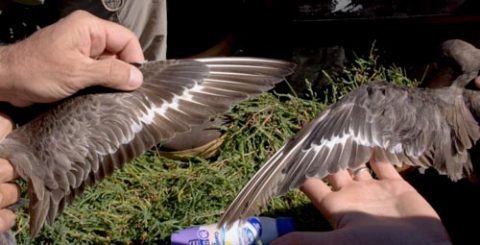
<point>7,172</point>
<point>361,174</point>
<point>9,194</point>
<point>384,169</point>
<point>112,73</point>
<point>7,219</point>
<point>339,179</point>
<point>6,126</point>
<point>106,56</point>
<point>20,102</point>
<point>316,190</point>
<point>107,36</point>
<point>477,82</point>
<point>120,41</point>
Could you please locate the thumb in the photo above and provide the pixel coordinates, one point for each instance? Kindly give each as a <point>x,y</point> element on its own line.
<point>114,73</point>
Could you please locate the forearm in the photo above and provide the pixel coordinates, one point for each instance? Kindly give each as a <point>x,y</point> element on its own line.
<point>8,69</point>
<point>6,74</point>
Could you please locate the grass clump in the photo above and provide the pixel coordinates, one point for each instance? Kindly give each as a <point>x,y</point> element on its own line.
<point>153,196</point>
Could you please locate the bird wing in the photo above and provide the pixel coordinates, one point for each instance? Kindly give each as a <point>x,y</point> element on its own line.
<point>87,137</point>
<point>380,119</point>
<point>460,54</point>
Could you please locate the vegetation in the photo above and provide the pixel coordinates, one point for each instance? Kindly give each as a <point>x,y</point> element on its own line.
<point>152,197</point>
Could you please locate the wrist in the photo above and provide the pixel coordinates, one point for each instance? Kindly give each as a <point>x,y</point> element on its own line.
<point>7,77</point>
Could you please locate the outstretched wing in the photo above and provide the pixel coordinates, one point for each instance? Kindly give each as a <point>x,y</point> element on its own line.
<point>87,137</point>
<point>415,127</point>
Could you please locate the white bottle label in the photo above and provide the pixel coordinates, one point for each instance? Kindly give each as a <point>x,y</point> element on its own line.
<point>245,233</point>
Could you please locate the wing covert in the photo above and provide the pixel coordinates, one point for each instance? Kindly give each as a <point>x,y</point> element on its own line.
<point>395,124</point>
<point>85,138</point>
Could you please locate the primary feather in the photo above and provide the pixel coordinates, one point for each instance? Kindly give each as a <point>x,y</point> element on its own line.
<point>87,137</point>
<point>419,127</point>
<point>415,126</point>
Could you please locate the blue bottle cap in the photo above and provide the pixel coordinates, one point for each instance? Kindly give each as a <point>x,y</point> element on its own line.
<point>285,225</point>
<point>185,236</point>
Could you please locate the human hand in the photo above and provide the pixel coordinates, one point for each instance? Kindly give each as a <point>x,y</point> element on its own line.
<point>9,192</point>
<point>78,51</point>
<point>364,210</point>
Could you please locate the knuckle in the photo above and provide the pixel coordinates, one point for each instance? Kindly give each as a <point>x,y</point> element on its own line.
<point>80,14</point>
<point>81,17</point>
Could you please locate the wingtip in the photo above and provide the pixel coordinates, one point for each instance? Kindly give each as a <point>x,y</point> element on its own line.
<point>287,66</point>
<point>228,222</point>
<point>36,223</point>
<point>235,213</point>
<point>38,206</point>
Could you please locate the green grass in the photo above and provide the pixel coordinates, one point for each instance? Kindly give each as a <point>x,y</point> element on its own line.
<point>153,196</point>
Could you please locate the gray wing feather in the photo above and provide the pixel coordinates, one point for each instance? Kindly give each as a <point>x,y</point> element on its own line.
<point>395,124</point>
<point>86,138</point>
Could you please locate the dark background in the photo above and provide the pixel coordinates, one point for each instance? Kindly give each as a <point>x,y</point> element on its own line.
<point>407,33</point>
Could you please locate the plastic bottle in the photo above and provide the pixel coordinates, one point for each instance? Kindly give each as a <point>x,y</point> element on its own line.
<point>255,230</point>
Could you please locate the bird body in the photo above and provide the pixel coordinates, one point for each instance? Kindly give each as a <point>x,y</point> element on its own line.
<point>416,126</point>
<point>463,58</point>
<point>85,138</point>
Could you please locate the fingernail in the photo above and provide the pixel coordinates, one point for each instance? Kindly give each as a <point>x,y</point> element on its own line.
<point>136,78</point>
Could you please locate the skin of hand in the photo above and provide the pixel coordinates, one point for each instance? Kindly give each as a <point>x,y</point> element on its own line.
<point>367,210</point>
<point>76,52</point>
<point>9,191</point>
